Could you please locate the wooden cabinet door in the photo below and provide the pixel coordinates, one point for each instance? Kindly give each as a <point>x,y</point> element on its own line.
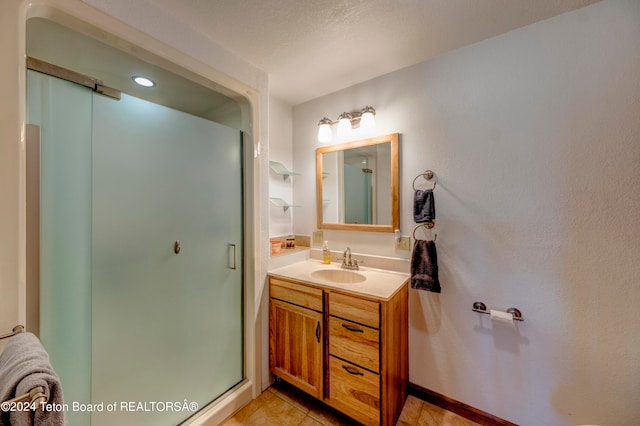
<point>295,346</point>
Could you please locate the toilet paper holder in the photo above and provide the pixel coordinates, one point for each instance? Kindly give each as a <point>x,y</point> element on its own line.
<point>482,309</point>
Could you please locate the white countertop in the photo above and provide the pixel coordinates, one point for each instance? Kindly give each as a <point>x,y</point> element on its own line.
<point>379,283</point>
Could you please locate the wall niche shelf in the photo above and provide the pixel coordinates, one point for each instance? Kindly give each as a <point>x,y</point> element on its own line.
<point>280,169</point>
<point>281,203</point>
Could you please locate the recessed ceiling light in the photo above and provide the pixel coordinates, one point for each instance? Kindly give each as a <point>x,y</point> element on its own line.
<point>143,81</point>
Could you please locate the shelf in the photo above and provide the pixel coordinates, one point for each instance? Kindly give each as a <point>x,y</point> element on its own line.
<point>281,203</point>
<point>280,169</point>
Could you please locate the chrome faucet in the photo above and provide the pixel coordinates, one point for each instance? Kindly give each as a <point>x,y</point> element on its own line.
<point>347,261</point>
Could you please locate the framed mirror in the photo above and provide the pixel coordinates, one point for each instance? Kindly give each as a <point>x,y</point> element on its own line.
<point>357,185</point>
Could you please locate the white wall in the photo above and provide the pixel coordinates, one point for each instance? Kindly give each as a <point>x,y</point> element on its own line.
<point>534,137</point>
<point>280,150</point>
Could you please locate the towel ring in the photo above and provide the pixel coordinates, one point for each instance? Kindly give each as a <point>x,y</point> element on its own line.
<point>428,175</point>
<point>16,330</point>
<point>428,225</point>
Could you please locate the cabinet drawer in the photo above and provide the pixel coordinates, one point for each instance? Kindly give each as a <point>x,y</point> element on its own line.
<point>355,343</point>
<point>298,294</point>
<point>355,391</point>
<point>355,309</point>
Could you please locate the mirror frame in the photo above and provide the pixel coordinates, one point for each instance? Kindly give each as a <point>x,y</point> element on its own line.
<point>395,200</point>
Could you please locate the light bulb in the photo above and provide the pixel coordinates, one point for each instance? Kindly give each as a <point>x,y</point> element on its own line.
<point>324,133</point>
<point>344,126</point>
<point>143,81</point>
<point>368,123</point>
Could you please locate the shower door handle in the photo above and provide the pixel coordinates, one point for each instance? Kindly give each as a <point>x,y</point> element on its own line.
<point>233,253</point>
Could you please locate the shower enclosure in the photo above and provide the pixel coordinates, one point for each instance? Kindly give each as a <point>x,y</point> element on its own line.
<point>141,246</point>
<point>358,193</point>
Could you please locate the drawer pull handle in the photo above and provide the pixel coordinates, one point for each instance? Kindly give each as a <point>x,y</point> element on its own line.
<point>352,371</point>
<point>352,328</point>
<point>318,332</point>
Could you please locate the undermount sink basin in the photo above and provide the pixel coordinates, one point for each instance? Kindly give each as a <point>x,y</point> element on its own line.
<point>342,276</point>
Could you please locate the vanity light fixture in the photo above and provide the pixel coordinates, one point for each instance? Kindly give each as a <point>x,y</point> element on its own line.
<point>143,81</point>
<point>347,122</point>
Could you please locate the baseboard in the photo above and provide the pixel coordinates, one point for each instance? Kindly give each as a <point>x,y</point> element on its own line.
<point>457,407</point>
<point>223,407</point>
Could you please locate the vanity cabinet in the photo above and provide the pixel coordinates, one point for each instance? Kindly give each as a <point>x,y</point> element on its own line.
<point>363,355</point>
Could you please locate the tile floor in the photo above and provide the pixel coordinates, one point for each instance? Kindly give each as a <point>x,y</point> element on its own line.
<point>283,405</point>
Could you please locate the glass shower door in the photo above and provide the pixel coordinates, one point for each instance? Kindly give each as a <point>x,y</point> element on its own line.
<point>357,194</point>
<point>167,262</point>
<point>63,112</point>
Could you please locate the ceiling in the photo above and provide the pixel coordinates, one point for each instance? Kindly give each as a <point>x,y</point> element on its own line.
<point>315,47</point>
<point>64,47</point>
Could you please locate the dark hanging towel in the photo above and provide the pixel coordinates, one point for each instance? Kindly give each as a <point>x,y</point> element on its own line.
<point>424,209</point>
<point>424,266</point>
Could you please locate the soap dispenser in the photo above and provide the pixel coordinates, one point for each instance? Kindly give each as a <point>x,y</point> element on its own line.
<point>326,254</point>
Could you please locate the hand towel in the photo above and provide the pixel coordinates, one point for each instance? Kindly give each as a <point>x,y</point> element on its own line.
<point>424,266</point>
<point>424,209</point>
<point>24,365</point>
